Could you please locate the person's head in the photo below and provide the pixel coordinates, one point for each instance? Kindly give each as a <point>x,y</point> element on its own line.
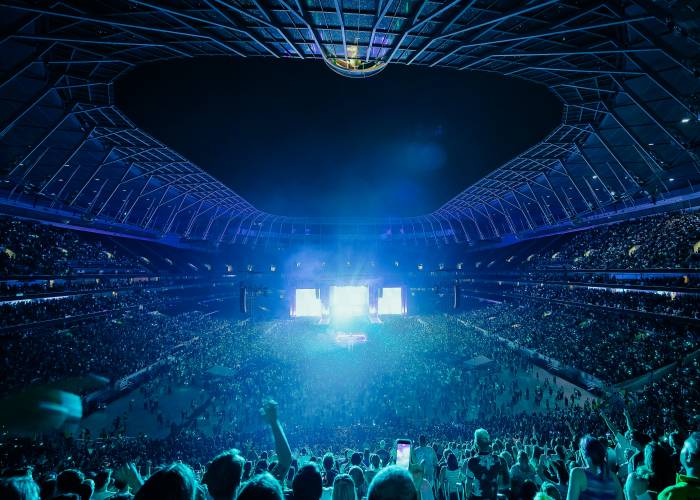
<point>223,475</point>
<point>173,482</point>
<point>658,461</point>
<point>374,460</point>
<point>482,440</point>
<point>357,476</point>
<point>638,439</point>
<point>87,488</point>
<point>328,461</point>
<point>452,463</point>
<point>423,440</point>
<point>392,483</point>
<point>47,487</point>
<point>560,451</point>
<point>261,467</point>
<point>690,455</point>
<point>19,488</point>
<point>528,490</point>
<point>356,458</point>
<point>550,490</point>
<point>675,440</point>
<point>523,459</point>
<point>497,446</point>
<point>307,484</point>
<point>102,479</point>
<point>69,481</point>
<point>261,487</point>
<point>121,485</point>
<point>507,457</point>
<point>594,452</point>
<point>344,488</point>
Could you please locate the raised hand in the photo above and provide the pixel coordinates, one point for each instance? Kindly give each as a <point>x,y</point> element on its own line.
<point>269,411</point>
<point>130,475</point>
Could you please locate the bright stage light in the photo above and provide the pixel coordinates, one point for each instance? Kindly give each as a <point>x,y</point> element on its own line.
<point>347,301</point>
<point>390,301</point>
<point>308,304</point>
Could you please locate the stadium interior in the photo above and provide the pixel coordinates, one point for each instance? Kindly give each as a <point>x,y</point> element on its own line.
<point>536,335</point>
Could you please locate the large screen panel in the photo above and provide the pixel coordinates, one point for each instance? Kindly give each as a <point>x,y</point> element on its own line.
<point>347,301</point>
<point>308,304</point>
<point>390,301</point>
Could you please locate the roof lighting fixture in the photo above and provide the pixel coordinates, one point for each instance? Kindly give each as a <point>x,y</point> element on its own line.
<point>685,120</point>
<point>353,65</point>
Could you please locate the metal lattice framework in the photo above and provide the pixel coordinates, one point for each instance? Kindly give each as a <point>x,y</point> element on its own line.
<point>625,71</point>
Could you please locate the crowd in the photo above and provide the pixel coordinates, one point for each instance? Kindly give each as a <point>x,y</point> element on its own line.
<point>667,241</point>
<point>664,241</point>
<point>111,348</point>
<point>683,305</point>
<point>30,248</point>
<point>340,405</point>
<point>26,312</point>
<point>522,464</point>
<point>637,344</point>
<point>440,380</point>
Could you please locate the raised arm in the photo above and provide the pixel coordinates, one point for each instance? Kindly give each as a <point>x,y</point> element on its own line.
<point>282,449</point>
<point>613,430</point>
<point>628,421</point>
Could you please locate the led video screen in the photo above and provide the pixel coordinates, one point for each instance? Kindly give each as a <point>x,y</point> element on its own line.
<point>307,303</point>
<point>390,301</point>
<point>347,301</point>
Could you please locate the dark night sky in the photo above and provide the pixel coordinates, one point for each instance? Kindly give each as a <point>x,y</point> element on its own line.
<point>294,138</point>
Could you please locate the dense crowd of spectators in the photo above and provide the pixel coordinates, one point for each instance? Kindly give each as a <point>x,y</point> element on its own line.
<point>26,312</point>
<point>111,348</point>
<point>658,302</point>
<point>660,242</point>
<point>409,378</point>
<point>30,248</point>
<point>667,241</point>
<point>589,339</point>
<point>437,379</point>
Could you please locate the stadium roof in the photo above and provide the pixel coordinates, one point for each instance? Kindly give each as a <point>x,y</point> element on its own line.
<point>628,78</point>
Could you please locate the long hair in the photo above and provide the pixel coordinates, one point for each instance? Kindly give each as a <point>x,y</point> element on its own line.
<point>596,453</point>
<point>174,482</point>
<point>452,463</point>
<point>661,467</point>
<point>344,488</point>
